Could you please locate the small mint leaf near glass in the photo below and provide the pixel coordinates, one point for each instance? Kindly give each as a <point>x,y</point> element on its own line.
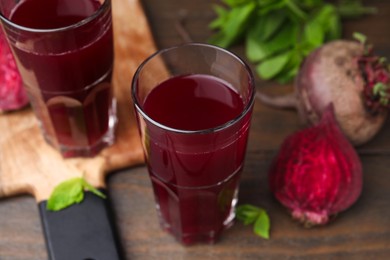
<point>249,214</point>
<point>70,192</point>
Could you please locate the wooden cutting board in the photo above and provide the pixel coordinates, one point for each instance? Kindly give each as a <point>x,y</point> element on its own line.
<point>29,165</point>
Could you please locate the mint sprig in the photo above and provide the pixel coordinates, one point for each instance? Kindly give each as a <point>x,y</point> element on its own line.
<point>279,34</point>
<point>249,214</point>
<point>70,192</point>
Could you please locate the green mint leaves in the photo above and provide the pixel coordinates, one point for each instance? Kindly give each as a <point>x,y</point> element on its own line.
<point>279,34</point>
<point>70,192</point>
<point>249,214</point>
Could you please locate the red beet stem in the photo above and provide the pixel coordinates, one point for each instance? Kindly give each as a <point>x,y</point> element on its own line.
<point>288,101</point>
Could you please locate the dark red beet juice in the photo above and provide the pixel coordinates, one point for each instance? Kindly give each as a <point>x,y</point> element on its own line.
<point>67,71</point>
<point>195,176</point>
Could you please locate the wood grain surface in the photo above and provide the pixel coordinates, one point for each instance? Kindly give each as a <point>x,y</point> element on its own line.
<point>362,232</point>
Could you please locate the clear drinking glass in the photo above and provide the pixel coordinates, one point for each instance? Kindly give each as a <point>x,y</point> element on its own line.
<point>64,52</point>
<point>194,160</point>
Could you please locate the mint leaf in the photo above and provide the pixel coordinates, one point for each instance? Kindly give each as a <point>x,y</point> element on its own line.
<point>66,194</point>
<point>262,224</point>
<point>310,3</point>
<point>333,30</point>
<point>291,68</point>
<point>70,192</point>
<point>271,5</point>
<point>249,214</point>
<point>235,25</point>
<point>270,27</point>
<point>271,67</point>
<point>222,16</point>
<point>257,50</point>
<point>314,33</point>
<point>92,189</point>
<point>329,20</point>
<point>233,3</point>
<point>295,9</point>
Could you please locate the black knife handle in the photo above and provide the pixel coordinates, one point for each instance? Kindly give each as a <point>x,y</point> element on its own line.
<point>83,231</point>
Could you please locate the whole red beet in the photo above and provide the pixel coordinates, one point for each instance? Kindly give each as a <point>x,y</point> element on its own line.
<point>317,172</point>
<point>12,93</point>
<point>334,73</point>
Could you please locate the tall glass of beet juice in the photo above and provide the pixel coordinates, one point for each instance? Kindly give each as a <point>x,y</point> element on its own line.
<point>64,52</point>
<point>194,104</point>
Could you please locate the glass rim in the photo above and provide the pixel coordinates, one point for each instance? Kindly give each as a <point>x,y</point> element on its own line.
<point>223,126</point>
<point>101,9</point>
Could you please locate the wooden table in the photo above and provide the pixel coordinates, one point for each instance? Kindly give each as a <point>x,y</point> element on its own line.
<point>362,232</point>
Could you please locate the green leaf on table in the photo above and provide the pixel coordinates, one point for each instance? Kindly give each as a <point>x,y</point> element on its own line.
<point>234,3</point>
<point>250,214</point>
<point>296,10</point>
<point>292,67</point>
<point>314,33</point>
<point>268,25</point>
<point>70,192</point>
<point>254,50</point>
<point>311,3</point>
<point>329,20</point>
<point>322,14</point>
<point>271,67</point>
<point>262,224</point>
<point>92,189</point>
<point>259,50</point>
<point>235,24</point>
<point>247,213</point>
<point>222,16</point>
<point>333,30</point>
<point>270,5</point>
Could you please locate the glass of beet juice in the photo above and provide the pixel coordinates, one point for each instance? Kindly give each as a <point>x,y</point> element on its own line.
<point>194,104</point>
<point>64,52</point>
